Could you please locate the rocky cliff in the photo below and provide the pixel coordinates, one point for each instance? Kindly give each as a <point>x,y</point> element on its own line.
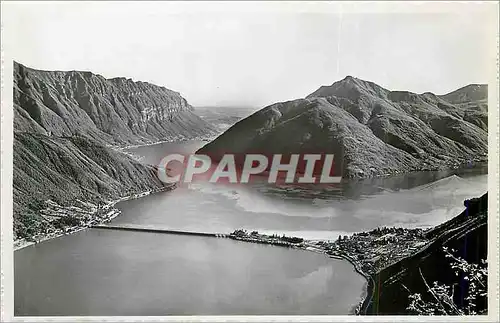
<point>372,131</point>
<point>114,111</point>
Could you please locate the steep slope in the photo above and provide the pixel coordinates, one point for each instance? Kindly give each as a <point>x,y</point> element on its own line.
<point>114,111</point>
<point>62,123</point>
<point>65,170</point>
<point>371,130</point>
<point>466,234</point>
<point>471,104</point>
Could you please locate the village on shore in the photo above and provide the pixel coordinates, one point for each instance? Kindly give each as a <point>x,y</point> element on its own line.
<point>372,250</point>
<point>369,252</point>
<point>62,220</point>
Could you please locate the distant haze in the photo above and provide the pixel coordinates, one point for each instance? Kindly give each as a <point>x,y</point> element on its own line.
<point>254,54</point>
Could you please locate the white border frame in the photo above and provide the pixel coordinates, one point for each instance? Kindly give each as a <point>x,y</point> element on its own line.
<point>7,291</point>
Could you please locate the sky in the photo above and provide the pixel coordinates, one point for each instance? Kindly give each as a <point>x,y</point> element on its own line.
<point>258,53</point>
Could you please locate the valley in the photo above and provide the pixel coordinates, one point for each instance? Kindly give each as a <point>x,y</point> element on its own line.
<point>85,156</point>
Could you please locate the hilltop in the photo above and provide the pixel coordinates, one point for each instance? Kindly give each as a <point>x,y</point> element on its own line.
<point>371,130</point>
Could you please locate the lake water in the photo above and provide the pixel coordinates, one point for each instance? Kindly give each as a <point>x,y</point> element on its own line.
<point>103,272</point>
<point>421,199</point>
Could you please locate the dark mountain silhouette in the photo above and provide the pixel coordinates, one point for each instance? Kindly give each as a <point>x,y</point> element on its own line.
<point>467,234</point>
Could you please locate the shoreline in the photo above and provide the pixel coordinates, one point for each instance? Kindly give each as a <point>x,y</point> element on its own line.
<point>477,161</point>
<point>368,290</point>
<point>357,249</point>
<point>179,140</point>
<point>325,247</point>
<point>23,243</point>
<point>369,286</point>
<point>308,245</point>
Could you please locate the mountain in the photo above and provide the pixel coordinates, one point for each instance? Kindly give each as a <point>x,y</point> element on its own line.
<point>371,130</point>
<point>115,111</point>
<point>466,234</point>
<point>66,170</point>
<point>63,124</point>
<point>472,92</point>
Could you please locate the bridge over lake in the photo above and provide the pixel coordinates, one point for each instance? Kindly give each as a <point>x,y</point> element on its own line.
<point>159,230</point>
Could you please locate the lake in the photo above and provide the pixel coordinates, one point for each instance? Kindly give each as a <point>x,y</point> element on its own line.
<point>421,199</point>
<point>103,272</point>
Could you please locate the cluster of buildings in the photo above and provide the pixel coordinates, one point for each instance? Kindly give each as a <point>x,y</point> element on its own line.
<point>254,236</point>
<point>376,249</point>
<point>369,251</point>
<point>69,219</point>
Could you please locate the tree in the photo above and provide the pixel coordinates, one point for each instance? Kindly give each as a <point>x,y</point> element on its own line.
<point>442,296</point>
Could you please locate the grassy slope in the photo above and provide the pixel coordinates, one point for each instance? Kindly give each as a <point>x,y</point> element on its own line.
<point>66,169</point>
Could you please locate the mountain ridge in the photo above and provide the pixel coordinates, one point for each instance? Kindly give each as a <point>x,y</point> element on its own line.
<point>64,123</point>
<point>119,111</point>
<point>480,88</point>
<point>371,130</point>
